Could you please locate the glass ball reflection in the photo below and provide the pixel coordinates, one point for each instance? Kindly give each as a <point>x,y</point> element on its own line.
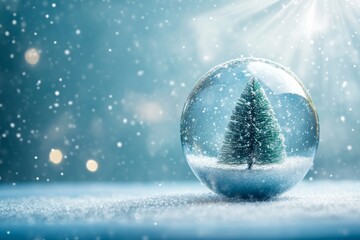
<point>215,112</point>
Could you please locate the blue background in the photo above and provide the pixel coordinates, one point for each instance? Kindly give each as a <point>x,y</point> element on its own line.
<point>123,70</point>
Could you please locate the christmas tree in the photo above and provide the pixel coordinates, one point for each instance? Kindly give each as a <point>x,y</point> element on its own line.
<point>253,135</point>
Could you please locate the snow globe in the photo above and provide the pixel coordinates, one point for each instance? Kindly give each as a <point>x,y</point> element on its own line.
<point>249,129</point>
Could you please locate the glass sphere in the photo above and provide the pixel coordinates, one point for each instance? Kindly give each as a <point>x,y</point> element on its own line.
<point>249,129</point>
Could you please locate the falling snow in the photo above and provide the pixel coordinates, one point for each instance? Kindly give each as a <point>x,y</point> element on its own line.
<point>59,64</point>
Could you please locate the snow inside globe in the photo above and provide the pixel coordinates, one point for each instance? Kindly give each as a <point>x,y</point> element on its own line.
<point>249,129</point>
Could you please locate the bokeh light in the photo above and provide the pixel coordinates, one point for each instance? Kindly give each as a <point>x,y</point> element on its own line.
<point>150,112</point>
<point>55,156</point>
<point>92,165</point>
<point>32,56</point>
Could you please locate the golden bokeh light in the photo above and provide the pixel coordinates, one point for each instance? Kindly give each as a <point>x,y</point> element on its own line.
<point>32,56</point>
<point>92,165</point>
<point>55,156</point>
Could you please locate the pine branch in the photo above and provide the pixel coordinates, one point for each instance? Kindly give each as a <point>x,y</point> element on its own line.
<point>253,134</point>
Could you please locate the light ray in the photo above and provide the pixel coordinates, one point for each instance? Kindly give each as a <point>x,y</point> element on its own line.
<point>318,40</point>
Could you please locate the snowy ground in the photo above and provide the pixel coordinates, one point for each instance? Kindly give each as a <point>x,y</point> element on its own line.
<point>262,181</point>
<point>176,211</point>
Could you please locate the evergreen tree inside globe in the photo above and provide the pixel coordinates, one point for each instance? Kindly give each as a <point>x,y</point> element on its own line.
<point>253,135</point>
